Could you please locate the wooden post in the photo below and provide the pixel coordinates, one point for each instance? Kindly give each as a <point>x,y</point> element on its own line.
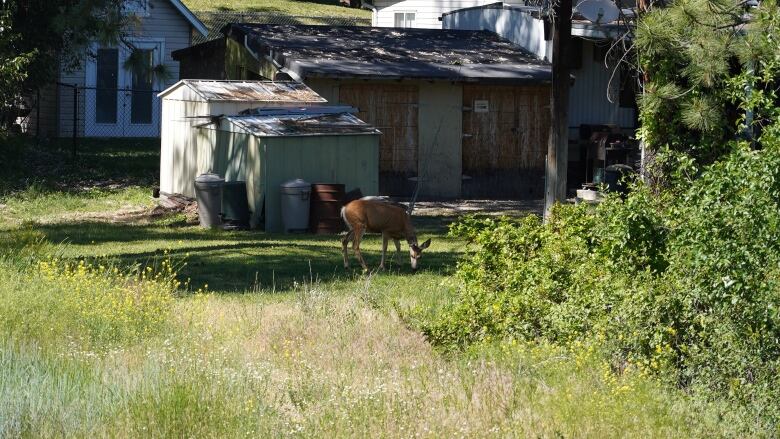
<point>558,146</point>
<point>75,117</point>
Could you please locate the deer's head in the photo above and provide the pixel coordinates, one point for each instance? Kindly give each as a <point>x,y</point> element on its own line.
<point>415,252</point>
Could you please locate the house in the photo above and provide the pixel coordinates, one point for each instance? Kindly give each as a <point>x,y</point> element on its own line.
<point>603,93</point>
<point>425,14</point>
<point>114,94</point>
<point>462,113</point>
<point>262,133</point>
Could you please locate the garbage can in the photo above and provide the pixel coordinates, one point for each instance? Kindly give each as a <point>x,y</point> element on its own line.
<point>613,177</point>
<point>235,206</point>
<point>295,196</point>
<point>208,192</point>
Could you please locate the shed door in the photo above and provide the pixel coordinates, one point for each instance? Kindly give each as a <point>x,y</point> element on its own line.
<point>393,109</point>
<point>505,134</point>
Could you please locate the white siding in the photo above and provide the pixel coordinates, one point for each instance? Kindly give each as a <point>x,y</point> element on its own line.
<point>588,103</point>
<point>164,22</point>
<point>512,24</point>
<point>427,11</point>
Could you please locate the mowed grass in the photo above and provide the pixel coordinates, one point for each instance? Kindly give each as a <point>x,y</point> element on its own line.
<point>270,337</point>
<point>287,7</point>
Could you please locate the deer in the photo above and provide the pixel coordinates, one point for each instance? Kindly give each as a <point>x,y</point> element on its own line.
<point>374,215</point>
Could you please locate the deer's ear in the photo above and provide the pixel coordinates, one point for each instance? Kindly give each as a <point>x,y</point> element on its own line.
<point>426,244</point>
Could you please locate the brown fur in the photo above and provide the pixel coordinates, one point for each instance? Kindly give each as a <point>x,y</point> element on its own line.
<point>377,216</point>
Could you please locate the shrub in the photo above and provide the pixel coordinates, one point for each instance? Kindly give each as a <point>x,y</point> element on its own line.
<point>684,286</point>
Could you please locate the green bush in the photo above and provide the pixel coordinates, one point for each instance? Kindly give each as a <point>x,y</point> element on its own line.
<point>685,287</point>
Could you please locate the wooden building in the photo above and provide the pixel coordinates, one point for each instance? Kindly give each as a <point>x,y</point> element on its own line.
<point>463,113</point>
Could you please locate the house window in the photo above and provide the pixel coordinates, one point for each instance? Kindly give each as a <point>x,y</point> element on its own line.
<point>142,97</point>
<point>107,62</point>
<point>404,19</point>
<point>136,7</point>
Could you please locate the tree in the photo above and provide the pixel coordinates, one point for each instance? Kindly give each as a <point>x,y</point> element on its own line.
<point>711,75</point>
<point>41,36</point>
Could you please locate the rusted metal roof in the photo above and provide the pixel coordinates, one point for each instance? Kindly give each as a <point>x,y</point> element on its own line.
<point>252,91</point>
<point>303,123</point>
<point>391,53</point>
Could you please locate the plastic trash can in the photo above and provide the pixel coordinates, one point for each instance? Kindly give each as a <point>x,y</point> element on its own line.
<point>208,192</point>
<point>295,195</point>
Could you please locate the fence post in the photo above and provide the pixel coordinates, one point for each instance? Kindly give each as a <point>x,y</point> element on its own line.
<point>38,114</point>
<point>75,117</point>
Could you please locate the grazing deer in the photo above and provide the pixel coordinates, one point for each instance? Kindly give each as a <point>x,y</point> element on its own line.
<point>373,215</point>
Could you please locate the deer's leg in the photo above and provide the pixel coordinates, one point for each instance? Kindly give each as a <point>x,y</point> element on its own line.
<point>384,251</point>
<point>397,250</point>
<point>358,231</point>
<point>349,236</point>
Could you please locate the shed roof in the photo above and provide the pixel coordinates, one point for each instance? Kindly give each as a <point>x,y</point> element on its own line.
<point>305,122</point>
<point>252,91</point>
<point>391,53</point>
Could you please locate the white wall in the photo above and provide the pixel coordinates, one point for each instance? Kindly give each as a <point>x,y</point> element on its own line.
<point>427,11</point>
<point>588,102</point>
<point>519,27</point>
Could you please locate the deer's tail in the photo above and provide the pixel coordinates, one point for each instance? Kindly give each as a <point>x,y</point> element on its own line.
<point>344,217</point>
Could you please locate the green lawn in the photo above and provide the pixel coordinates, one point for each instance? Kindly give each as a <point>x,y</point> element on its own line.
<point>288,7</point>
<point>271,338</point>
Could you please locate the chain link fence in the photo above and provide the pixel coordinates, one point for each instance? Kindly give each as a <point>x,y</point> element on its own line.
<point>215,21</point>
<point>74,111</point>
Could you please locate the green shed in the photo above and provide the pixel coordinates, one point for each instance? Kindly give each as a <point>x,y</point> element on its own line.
<point>266,147</point>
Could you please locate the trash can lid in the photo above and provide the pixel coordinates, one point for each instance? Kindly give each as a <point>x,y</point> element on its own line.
<point>209,178</point>
<point>297,183</point>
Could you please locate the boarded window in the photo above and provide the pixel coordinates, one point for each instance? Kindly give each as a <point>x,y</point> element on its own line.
<point>393,109</point>
<point>504,147</point>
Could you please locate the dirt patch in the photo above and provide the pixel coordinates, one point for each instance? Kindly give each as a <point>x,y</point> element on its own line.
<point>126,214</point>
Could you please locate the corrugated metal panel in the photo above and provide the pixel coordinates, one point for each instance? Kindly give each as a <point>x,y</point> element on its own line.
<point>350,160</point>
<point>253,91</point>
<point>302,125</point>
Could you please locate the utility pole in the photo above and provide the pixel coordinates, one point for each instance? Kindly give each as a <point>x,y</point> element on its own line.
<point>558,146</point>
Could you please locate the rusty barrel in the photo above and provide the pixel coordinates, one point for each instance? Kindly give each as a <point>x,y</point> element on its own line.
<point>326,202</point>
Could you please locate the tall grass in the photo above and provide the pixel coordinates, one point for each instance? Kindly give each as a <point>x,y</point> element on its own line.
<point>316,364</point>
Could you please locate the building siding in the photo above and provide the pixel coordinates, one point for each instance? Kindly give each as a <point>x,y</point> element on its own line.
<point>588,101</point>
<point>164,22</point>
<point>427,12</point>
<point>443,146</point>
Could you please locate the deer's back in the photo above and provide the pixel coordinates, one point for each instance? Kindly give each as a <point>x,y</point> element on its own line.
<point>377,217</point>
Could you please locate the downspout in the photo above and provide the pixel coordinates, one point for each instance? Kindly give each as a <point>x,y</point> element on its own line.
<point>366,5</point>
<point>271,59</point>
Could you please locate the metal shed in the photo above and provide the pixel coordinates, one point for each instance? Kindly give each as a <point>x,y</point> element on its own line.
<point>184,152</point>
<point>266,147</point>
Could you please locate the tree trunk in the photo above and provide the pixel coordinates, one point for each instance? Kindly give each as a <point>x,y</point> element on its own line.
<point>558,146</point>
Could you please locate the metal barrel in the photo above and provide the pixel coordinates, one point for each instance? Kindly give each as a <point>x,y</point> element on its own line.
<point>326,202</point>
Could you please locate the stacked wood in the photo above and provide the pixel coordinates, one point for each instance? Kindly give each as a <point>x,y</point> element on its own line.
<point>177,202</point>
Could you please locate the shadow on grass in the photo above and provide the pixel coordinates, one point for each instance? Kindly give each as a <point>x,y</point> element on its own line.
<point>242,261</point>
<point>98,162</point>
